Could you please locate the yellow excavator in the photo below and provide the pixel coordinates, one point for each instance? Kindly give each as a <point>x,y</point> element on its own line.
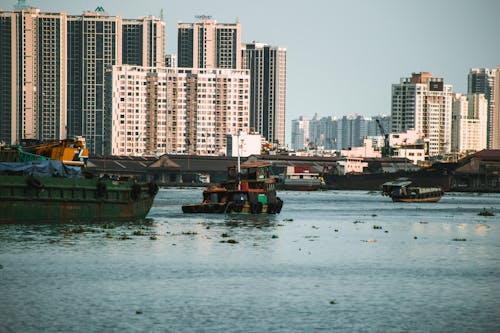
<point>70,152</point>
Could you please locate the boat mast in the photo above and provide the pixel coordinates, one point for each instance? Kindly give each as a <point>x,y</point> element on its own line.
<point>239,165</point>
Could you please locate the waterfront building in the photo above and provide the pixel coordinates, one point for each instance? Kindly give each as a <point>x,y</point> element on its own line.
<point>143,42</point>
<point>424,103</point>
<point>469,123</point>
<point>300,133</point>
<point>481,80</point>
<point>208,44</point>
<point>267,66</point>
<point>32,75</point>
<point>249,144</point>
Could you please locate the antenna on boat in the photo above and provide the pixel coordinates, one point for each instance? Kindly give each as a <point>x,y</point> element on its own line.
<point>239,164</point>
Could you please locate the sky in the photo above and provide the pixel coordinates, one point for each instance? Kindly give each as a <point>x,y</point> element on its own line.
<point>342,56</point>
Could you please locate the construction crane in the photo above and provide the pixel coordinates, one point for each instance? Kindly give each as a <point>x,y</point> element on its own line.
<point>387,150</point>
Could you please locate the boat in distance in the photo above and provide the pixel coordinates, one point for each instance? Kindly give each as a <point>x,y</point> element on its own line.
<point>302,179</point>
<point>249,189</point>
<point>401,191</point>
<point>37,189</point>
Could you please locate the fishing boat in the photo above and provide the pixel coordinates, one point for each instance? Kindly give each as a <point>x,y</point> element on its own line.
<point>37,188</point>
<point>249,189</point>
<point>401,191</point>
<point>302,179</point>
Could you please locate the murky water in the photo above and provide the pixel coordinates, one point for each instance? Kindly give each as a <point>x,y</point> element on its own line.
<point>334,261</point>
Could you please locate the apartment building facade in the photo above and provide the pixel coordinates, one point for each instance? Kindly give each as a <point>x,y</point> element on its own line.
<point>469,123</point>
<point>32,75</point>
<point>267,66</point>
<point>424,103</point>
<point>175,110</point>
<point>208,44</point>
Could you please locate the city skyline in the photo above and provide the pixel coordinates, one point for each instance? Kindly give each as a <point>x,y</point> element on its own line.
<point>337,48</point>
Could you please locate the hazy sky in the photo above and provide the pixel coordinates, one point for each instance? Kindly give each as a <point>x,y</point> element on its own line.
<point>343,56</point>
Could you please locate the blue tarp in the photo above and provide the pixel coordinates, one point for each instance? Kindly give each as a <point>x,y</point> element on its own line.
<point>42,168</point>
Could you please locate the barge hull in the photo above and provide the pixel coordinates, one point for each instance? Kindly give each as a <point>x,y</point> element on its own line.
<point>25,199</point>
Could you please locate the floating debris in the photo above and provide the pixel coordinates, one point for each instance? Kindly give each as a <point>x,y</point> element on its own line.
<point>386,231</point>
<point>225,235</point>
<point>336,230</point>
<point>369,240</point>
<point>138,312</point>
<point>459,239</point>
<point>124,237</point>
<point>153,237</point>
<point>422,222</point>
<point>373,215</point>
<point>230,241</point>
<point>191,233</point>
<point>138,233</point>
<point>377,227</point>
<point>333,301</point>
<point>108,235</point>
<point>287,220</point>
<point>486,212</point>
<point>1,266</point>
<point>415,237</point>
<point>274,236</point>
<point>356,222</point>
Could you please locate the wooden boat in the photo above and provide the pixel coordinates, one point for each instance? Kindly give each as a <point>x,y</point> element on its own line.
<point>250,191</point>
<point>401,191</point>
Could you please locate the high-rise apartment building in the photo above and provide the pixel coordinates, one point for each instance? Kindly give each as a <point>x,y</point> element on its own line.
<point>205,105</point>
<point>97,41</point>
<point>208,44</point>
<point>424,103</point>
<point>136,106</point>
<point>469,123</point>
<point>175,110</point>
<point>481,80</point>
<point>143,42</point>
<point>94,43</point>
<point>32,75</point>
<point>267,65</point>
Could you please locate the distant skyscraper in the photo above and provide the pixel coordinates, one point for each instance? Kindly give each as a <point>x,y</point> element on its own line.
<point>267,65</point>
<point>32,75</point>
<point>143,42</point>
<point>208,44</point>
<point>424,103</point>
<point>481,80</point>
<point>300,133</point>
<point>469,122</point>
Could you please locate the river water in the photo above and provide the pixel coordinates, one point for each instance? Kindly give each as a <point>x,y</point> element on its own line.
<point>333,261</point>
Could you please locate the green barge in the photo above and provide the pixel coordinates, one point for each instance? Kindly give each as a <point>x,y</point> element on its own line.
<point>54,189</point>
<point>28,199</point>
